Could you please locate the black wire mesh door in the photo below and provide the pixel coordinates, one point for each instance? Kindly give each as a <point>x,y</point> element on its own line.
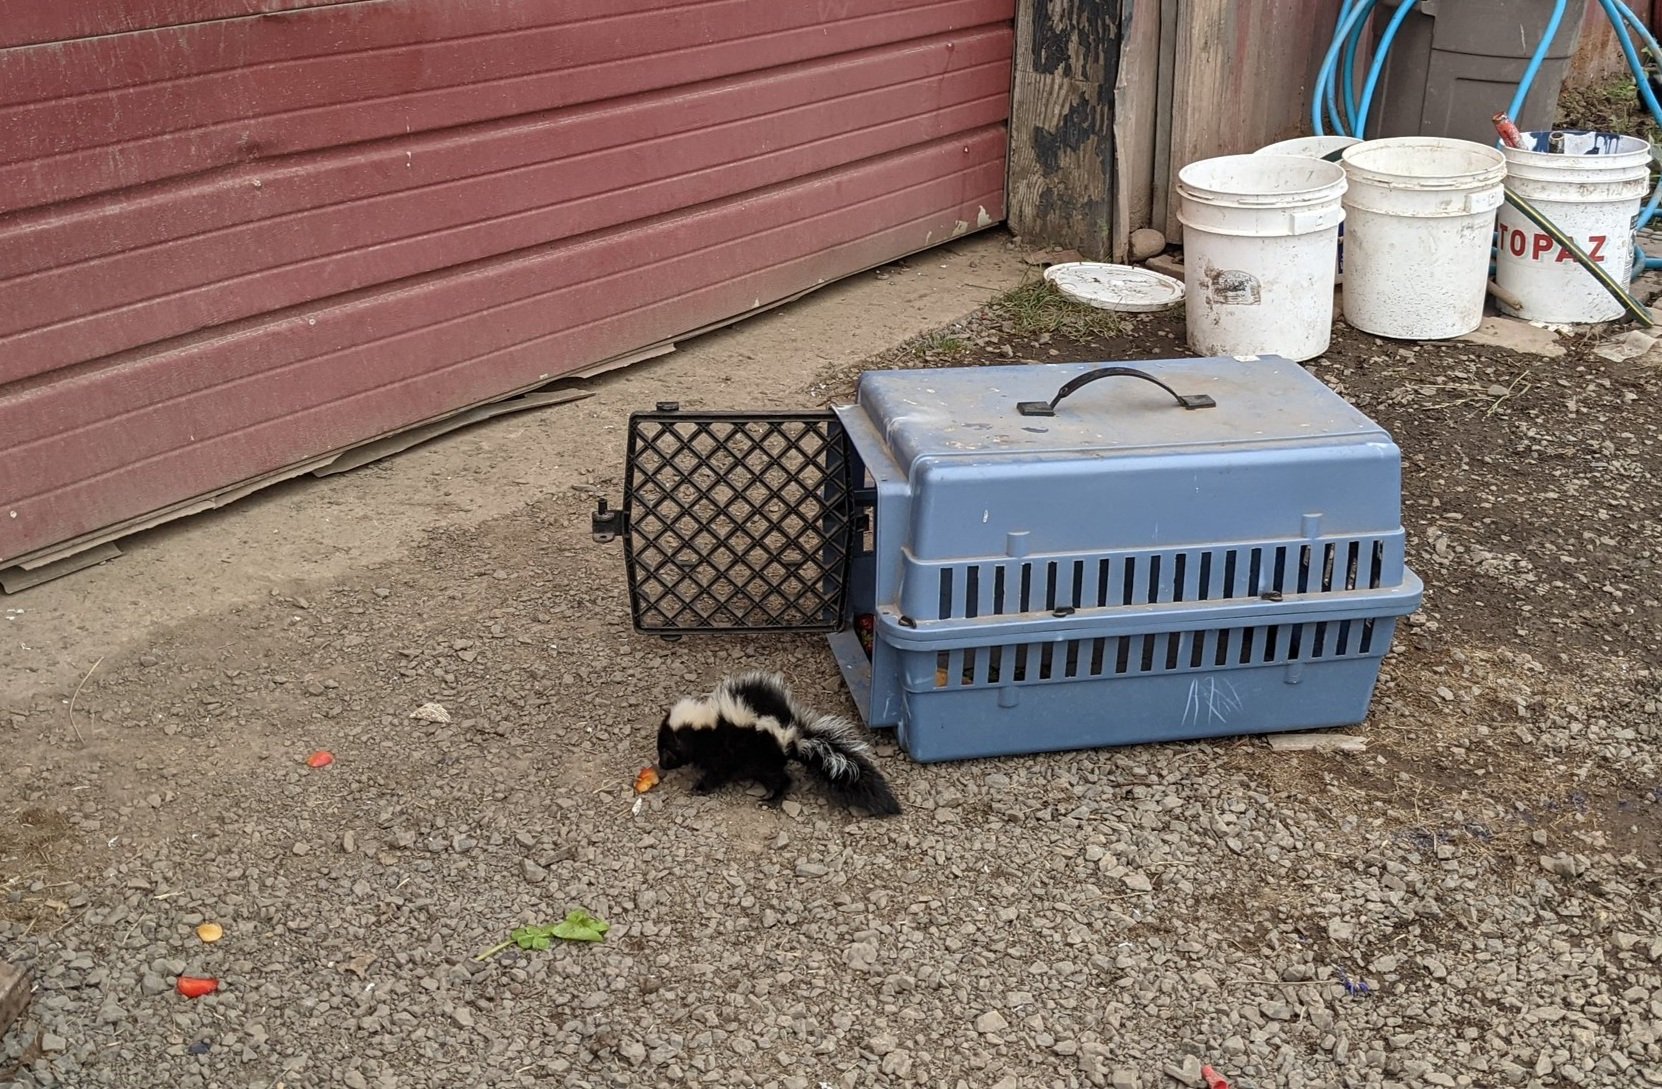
<point>735,522</point>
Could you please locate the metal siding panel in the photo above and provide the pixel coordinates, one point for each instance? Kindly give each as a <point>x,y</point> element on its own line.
<point>30,22</point>
<point>219,332</point>
<point>73,122</point>
<point>566,181</point>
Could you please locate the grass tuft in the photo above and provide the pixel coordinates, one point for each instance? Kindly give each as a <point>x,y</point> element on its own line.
<point>1036,308</point>
<point>937,344</point>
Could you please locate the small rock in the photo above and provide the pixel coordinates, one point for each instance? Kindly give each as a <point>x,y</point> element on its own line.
<point>1145,243</point>
<point>302,848</point>
<point>430,712</point>
<point>1126,1079</point>
<point>50,1042</point>
<point>348,842</point>
<point>1188,1073</point>
<point>533,872</point>
<point>462,1016</point>
<point>898,1064</point>
<point>1138,882</point>
<point>354,1080</point>
<point>1340,931</point>
<point>1632,345</point>
<point>1564,865</point>
<point>812,869</point>
<point>991,1021</point>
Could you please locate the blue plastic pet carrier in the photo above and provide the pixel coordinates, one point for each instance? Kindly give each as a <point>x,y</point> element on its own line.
<point>1021,559</point>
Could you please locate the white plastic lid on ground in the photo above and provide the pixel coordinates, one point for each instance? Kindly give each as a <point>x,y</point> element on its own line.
<point>1115,287</point>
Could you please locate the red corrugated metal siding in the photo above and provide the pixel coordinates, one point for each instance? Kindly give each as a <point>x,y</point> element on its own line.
<point>227,247</point>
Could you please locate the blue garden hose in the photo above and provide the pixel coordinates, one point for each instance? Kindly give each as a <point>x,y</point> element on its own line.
<point>1339,105</point>
<point>1376,69</point>
<point>1540,54</point>
<point>1351,22</point>
<point>1621,17</point>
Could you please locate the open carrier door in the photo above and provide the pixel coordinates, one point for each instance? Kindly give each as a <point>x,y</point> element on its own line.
<point>738,522</point>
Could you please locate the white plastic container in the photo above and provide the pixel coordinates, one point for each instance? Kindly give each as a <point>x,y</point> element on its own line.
<point>1592,192</point>
<point>1420,212</point>
<point>1316,147</point>
<point>1260,242</point>
<point>1313,147</point>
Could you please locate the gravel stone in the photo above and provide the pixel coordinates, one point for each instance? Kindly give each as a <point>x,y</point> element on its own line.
<point>1470,898</point>
<point>990,1022</point>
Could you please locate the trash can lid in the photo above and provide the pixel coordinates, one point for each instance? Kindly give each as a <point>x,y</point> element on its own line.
<point>1115,287</point>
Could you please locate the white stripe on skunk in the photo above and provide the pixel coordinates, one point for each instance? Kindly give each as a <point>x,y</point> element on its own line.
<point>751,726</point>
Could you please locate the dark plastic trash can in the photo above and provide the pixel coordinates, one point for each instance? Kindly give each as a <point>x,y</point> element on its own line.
<point>1454,64</point>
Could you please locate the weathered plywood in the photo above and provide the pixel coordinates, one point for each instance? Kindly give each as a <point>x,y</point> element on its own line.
<point>1598,59</point>
<point>1244,76</point>
<point>1136,122</point>
<point>1061,123</point>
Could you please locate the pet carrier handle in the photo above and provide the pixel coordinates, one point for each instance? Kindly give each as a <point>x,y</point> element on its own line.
<point>1048,408</point>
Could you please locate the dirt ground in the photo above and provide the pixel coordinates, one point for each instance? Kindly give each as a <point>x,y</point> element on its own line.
<point>1471,901</point>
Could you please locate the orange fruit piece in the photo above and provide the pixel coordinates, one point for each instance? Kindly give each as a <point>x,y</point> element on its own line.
<point>646,780</point>
<point>320,759</point>
<point>197,986</point>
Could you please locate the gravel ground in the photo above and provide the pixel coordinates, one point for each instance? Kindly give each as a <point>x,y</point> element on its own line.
<point>1473,900</point>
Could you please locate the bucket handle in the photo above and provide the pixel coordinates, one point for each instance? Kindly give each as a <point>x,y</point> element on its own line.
<point>1048,408</point>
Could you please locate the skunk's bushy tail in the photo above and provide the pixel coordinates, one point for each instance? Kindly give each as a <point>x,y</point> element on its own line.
<point>830,748</point>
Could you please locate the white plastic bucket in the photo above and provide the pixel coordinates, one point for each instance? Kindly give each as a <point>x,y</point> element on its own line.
<point>1316,147</point>
<point>1591,192</point>
<point>1421,217</point>
<point>1260,235</point>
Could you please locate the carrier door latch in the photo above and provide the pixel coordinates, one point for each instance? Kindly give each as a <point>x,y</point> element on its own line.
<point>605,523</point>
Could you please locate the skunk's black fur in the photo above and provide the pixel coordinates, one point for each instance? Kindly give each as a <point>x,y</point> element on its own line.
<point>751,726</point>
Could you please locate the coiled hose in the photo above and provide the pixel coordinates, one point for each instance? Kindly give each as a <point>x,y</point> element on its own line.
<point>1338,102</point>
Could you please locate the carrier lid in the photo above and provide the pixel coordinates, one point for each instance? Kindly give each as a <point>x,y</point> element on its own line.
<point>1108,409</point>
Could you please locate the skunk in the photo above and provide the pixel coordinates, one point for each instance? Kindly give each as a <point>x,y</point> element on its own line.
<point>751,726</point>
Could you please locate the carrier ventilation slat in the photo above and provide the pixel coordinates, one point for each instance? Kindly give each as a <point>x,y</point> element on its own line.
<point>1164,652</point>
<point>1019,586</point>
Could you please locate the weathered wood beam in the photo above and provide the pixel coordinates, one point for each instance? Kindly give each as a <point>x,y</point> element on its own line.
<point>1061,160</point>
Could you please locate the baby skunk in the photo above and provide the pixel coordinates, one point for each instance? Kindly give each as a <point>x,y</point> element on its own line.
<point>750,726</point>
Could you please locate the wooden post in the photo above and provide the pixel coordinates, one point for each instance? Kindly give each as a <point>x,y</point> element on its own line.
<point>1062,124</point>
